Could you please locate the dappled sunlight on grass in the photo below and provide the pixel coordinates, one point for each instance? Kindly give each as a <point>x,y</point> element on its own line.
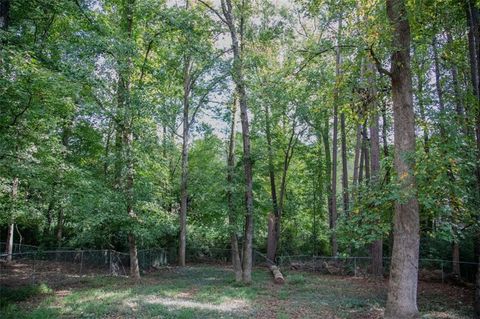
<point>211,292</point>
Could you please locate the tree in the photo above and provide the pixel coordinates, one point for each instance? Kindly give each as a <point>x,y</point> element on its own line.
<point>402,293</point>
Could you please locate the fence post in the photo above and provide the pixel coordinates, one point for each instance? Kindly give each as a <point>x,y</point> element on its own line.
<point>441,263</point>
<point>110,261</point>
<point>81,262</point>
<point>33,273</point>
<point>355,266</point>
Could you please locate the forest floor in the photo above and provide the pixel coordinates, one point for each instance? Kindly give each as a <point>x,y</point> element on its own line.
<point>210,292</point>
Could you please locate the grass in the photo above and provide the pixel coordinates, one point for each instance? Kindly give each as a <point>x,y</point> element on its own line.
<point>210,292</point>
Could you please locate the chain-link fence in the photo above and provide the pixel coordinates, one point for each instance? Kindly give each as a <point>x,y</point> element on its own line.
<point>429,269</point>
<point>17,248</point>
<point>31,264</point>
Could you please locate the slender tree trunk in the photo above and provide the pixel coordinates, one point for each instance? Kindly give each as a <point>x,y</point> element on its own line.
<point>362,157</point>
<point>232,220</point>
<point>377,246</point>
<point>402,292</point>
<point>9,248</point>
<point>328,178</point>
<point>356,161</point>
<point>271,244</point>
<point>366,155</point>
<point>60,221</point>
<point>423,118</point>
<point>346,200</point>
<point>124,94</point>
<point>474,52</point>
<point>239,81</point>
<point>184,175</point>
<point>333,221</point>
<point>283,184</point>
<point>459,108</point>
<point>4,14</point>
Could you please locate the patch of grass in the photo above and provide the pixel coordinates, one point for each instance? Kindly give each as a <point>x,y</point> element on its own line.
<point>210,292</point>
<point>10,295</point>
<point>296,279</point>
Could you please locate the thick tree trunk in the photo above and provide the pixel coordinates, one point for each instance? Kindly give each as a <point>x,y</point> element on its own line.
<point>402,292</point>
<point>271,244</point>
<point>238,78</point>
<point>232,220</point>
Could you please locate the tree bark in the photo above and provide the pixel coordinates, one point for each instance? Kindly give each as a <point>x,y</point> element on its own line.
<point>402,292</point>
<point>334,213</point>
<point>474,52</point>
<point>184,174</point>
<point>9,248</point>
<point>232,220</point>
<point>4,14</point>
<point>356,161</point>
<point>376,248</point>
<point>239,81</point>
<point>346,200</point>
<point>271,244</point>
<point>124,97</point>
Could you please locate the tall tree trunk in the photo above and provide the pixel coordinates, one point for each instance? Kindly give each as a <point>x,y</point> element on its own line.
<point>346,200</point>
<point>402,292</point>
<point>232,220</point>
<point>423,118</point>
<point>184,174</point>
<point>356,161</point>
<point>271,244</point>
<point>328,173</point>
<point>376,248</point>
<point>474,52</point>
<point>333,221</point>
<point>11,225</point>
<point>239,81</point>
<point>459,108</point>
<point>60,221</point>
<point>126,126</point>
<point>283,184</point>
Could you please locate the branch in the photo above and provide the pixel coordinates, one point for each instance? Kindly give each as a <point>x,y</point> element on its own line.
<point>378,64</point>
<point>213,10</point>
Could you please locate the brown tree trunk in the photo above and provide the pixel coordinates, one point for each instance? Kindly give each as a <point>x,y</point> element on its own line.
<point>232,220</point>
<point>60,227</point>
<point>346,200</point>
<point>271,244</point>
<point>124,94</point>
<point>184,174</point>
<point>334,215</point>
<point>376,248</point>
<point>356,161</point>
<point>328,178</point>
<point>239,81</point>
<point>455,259</point>
<point>9,248</point>
<point>474,52</point>
<point>402,292</point>
<point>4,14</point>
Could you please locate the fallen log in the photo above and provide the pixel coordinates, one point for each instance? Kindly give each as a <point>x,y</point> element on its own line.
<point>277,275</point>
